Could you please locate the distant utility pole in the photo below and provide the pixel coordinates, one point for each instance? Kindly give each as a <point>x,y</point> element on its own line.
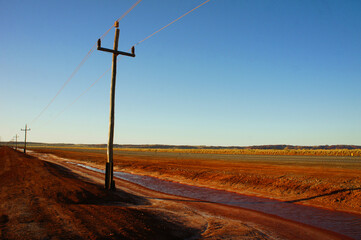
<point>16,142</point>
<point>26,130</point>
<point>11,143</point>
<point>109,182</point>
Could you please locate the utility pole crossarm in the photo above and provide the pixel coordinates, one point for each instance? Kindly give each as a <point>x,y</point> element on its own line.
<point>132,54</point>
<point>109,182</point>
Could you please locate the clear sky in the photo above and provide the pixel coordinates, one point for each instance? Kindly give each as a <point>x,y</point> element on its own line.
<point>232,72</point>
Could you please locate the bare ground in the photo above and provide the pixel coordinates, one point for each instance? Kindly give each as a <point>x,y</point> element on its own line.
<point>55,200</point>
<point>327,184</point>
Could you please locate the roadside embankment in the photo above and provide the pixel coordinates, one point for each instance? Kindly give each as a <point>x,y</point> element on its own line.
<point>42,200</point>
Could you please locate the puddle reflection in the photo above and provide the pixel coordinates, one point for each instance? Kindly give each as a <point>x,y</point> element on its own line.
<point>345,223</point>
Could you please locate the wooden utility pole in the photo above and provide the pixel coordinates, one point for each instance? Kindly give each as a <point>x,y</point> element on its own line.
<point>109,182</point>
<point>16,142</point>
<point>26,130</point>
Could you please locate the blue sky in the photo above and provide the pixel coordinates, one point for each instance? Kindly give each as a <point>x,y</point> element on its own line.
<point>230,73</point>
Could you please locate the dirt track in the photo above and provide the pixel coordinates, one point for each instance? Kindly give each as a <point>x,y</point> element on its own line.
<point>55,200</point>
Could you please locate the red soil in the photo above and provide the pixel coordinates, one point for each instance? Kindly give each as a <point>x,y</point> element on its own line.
<point>331,187</point>
<point>41,200</point>
<point>53,199</point>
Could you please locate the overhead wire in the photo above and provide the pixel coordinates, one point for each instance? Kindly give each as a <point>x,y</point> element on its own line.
<point>130,9</point>
<point>151,35</point>
<point>119,19</point>
<point>63,86</point>
<point>81,64</point>
<point>72,103</point>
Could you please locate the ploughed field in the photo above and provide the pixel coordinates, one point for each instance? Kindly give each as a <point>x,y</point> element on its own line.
<point>329,182</point>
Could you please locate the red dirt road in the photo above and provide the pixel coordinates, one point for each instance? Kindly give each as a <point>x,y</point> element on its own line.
<point>55,200</point>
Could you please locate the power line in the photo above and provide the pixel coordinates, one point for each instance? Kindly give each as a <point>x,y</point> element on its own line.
<point>151,35</point>
<point>66,82</point>
<point>84,92</point>
<point>81,64</point>
<point>118,20</point>
<point>130,9</point>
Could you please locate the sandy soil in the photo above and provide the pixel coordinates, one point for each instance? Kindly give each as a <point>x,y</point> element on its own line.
<point>56,200</point>
<point>333,186</point>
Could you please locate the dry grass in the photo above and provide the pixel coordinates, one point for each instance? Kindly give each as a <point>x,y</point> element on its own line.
<point>284,152</point>
<point>291,152</point>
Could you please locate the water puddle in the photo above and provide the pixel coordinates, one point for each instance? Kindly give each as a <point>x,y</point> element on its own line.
<point>345,223</point>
